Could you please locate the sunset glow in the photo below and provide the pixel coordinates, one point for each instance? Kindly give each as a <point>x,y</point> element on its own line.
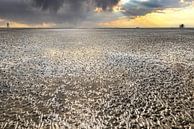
<point>115,13</point>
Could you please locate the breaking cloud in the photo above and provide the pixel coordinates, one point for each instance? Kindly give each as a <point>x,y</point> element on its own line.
<point>135,8</point>
<point>75,11</point>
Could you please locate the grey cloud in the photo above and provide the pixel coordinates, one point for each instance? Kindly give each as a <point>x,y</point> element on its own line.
<point>138,8</point>
<point>75,11</point>
<point>38,11</point>
<point>106,4</point>
<point>57,11</point>
<point>54,5</point>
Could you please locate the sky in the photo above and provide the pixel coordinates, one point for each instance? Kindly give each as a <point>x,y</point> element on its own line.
<point>96,13</point>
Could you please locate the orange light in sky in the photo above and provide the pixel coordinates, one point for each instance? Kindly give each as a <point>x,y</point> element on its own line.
<point>165,18</point>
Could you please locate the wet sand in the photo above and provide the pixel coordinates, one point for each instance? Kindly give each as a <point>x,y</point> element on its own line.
<point>97,79</point>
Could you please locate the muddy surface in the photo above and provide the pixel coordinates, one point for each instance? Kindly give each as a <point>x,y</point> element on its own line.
<point>96,79</point>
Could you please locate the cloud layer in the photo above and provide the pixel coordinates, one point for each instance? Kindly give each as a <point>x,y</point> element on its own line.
<point>142,7</point>
<point>75,11</point>
<point>54,5</point>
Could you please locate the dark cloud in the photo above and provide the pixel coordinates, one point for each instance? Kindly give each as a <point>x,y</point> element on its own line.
<point>57,11</point>
<point>38,11</point>
<point>106,4</point>
<point>138,8</point>
<point>52,5</point>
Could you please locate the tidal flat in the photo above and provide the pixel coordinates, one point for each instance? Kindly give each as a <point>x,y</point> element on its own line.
<point>97,78</point>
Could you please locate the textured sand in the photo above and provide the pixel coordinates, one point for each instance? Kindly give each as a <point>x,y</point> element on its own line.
<point>97,79</point>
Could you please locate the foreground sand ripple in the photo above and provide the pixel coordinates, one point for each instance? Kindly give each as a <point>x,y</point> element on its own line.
<point>96,79</point>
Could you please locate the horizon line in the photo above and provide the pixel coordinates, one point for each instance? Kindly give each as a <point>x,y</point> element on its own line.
<point>5,28</point>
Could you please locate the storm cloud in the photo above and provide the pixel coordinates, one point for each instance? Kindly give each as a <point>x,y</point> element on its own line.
<point>36,11</point>
<point>74,4</point>
<point>75,11</point>
<point>52,5</point>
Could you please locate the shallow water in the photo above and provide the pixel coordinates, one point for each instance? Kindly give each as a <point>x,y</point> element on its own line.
<point>97,78</point>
